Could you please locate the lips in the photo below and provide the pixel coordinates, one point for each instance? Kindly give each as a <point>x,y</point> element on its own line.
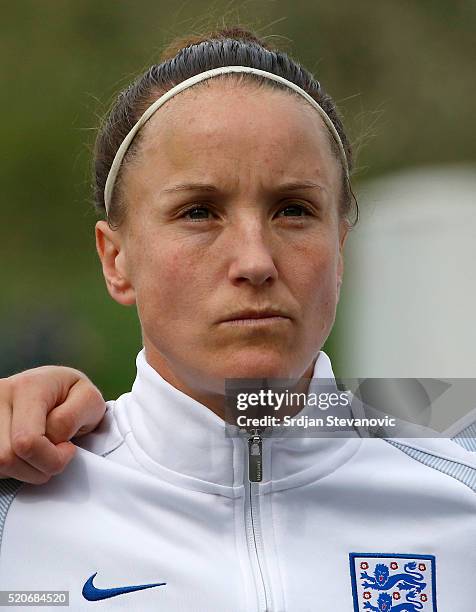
<point>256,314</point>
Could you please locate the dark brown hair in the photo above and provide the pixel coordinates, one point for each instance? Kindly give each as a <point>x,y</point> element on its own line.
<point>184,58</point>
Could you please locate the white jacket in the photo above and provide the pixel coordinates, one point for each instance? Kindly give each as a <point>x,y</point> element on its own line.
<point>159,495</point>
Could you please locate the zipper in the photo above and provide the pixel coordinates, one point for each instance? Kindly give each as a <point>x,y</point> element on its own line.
<point>255,457</point>
<point>253,476</point>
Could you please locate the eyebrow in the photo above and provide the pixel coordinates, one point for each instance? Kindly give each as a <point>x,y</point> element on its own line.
<point>197,186</point>
<point>190,187</point>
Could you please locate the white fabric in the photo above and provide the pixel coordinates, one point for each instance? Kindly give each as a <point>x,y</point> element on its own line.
<point>461,424</point>
<point>202,76</point>
<point>170,502</point>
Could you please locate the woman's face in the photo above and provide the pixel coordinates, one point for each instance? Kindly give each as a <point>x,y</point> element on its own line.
<point>232,206</point>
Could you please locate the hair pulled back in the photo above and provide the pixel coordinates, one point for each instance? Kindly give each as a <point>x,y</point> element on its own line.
<point>182,59</point>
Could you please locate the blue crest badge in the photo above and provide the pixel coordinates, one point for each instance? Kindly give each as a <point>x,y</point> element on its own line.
<point>393,583</point>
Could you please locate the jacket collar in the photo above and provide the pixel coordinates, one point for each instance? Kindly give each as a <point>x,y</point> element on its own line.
<point>184,442</point>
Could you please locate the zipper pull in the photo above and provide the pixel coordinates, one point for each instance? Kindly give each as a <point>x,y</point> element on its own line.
<point>255,457</point>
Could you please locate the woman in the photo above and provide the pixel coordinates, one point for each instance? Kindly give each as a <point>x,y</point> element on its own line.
<point>227,210</point>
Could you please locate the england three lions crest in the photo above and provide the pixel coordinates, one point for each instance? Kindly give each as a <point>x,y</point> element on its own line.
<point>393,583</point>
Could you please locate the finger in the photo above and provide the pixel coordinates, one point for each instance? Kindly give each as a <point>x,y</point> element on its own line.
<point>80,413</point>
<point>27,432</point>
<point>43,388</point>
<point>5,428</point>
<point>32,397</point>
<point>41,454</point>
<point>34,394</point>
<point>12,466</point>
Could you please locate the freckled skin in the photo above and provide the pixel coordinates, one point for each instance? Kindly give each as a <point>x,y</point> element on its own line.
<point>186,275</point>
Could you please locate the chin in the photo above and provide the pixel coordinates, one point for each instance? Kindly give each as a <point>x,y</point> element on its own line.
<point>264,364</point>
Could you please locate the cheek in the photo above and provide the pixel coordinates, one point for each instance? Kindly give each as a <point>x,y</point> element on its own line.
<point>314,272</point>
<point>168,283</point>
<point>314,265</point>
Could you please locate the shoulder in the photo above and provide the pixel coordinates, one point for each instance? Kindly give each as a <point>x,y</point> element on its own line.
<point>106,441</point>
<point>463,432</point>
<point>441,455</point>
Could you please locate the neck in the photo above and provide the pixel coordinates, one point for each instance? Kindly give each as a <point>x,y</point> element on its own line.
<point>214,399</point>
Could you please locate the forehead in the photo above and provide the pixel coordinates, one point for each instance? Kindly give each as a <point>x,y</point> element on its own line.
<point>229,126</point>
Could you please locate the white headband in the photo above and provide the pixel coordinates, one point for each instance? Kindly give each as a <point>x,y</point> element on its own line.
<point>202,76</point>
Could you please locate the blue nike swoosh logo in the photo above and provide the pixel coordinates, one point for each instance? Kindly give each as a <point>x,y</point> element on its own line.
<point>92,593</point>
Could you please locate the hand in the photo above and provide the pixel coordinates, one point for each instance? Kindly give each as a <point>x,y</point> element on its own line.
<point>40,411</point>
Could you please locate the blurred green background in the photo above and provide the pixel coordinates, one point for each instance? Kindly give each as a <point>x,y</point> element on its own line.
<point>402,73</point>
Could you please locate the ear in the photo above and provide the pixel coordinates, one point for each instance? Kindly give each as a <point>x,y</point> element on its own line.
<point>343,233</point>
<point>111,251</point>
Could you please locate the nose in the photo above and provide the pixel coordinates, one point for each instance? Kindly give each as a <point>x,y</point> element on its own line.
<point>251,255</point>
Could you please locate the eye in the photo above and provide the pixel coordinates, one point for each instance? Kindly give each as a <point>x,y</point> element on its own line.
<point>197,213</point>
<point>294,210</point>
